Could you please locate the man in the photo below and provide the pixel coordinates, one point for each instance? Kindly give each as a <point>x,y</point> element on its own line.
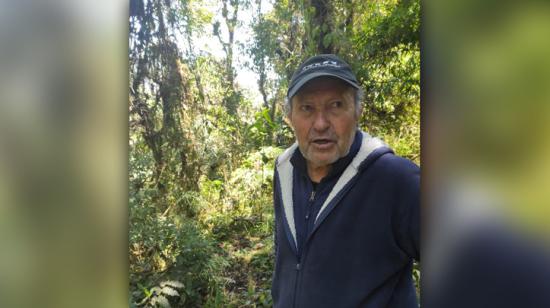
<point>346,208</point>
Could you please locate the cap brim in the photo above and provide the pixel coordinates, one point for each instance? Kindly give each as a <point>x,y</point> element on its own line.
<point>309,77</point>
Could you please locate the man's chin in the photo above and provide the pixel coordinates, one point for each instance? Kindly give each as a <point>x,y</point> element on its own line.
<point>322,161</point>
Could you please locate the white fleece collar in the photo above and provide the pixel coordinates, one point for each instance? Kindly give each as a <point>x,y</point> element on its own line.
<point>285,172</point>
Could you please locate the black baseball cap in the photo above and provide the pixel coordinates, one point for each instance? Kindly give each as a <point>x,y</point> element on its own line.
<point>319,66</point>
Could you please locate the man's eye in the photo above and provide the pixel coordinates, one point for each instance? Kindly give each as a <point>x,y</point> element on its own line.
<point>337,104</point>
<point>306,108</point>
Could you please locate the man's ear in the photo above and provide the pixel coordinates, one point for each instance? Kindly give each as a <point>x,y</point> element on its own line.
<point>287,120</point>
<point>359,112</point>
<point>287,109</point>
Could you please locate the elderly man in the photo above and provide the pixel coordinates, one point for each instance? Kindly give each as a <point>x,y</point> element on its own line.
<point>346,208</point>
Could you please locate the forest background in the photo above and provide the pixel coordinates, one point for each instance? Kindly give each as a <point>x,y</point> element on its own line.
<point>207,82</point>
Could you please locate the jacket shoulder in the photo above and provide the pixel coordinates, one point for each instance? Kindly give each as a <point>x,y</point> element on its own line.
<point>286,155</point>
<point>396,166</point>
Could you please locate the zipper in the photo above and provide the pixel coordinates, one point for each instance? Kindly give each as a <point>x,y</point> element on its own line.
<point>308,210</point>
<point>312,196</point>
<point>296,283</point>
<point>303,255</point>
<point>299,271</point>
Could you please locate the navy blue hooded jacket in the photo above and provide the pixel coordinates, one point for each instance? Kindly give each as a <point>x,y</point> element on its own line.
<point>359,249</point>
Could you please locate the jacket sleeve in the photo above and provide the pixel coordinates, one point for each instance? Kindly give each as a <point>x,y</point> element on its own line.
<point>275,202</point>
<point>408,207</point>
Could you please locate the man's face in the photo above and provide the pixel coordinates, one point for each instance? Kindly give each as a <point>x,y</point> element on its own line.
<point>324,119</point>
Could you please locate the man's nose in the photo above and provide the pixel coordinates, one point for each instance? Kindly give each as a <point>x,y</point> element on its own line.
<point>321,121</point>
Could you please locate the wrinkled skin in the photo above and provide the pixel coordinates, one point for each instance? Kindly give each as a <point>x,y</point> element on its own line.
<point>324,119</point>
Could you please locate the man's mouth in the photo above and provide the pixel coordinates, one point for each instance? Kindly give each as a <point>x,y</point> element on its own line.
<point>323,142</point>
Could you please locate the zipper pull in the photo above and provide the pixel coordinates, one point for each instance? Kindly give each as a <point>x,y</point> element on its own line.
<point>297,266</point>
<point>312,195</point>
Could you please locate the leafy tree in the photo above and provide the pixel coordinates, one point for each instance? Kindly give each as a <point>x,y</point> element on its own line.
<point>201,153</point>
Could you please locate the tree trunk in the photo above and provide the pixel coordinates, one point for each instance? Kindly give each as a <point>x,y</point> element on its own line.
<point>323,21</point>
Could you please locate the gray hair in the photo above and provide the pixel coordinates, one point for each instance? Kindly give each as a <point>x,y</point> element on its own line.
<point>358,96</point>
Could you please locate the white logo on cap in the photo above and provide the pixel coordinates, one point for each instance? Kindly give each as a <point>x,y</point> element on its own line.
<point>321,64</point>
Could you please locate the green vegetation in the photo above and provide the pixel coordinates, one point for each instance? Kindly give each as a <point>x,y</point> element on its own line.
<point>201,152</point>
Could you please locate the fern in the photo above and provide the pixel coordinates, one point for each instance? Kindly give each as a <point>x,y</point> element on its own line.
<point>158,296</point>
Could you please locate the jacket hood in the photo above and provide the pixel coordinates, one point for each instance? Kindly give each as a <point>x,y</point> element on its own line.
<point>371,149</point>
